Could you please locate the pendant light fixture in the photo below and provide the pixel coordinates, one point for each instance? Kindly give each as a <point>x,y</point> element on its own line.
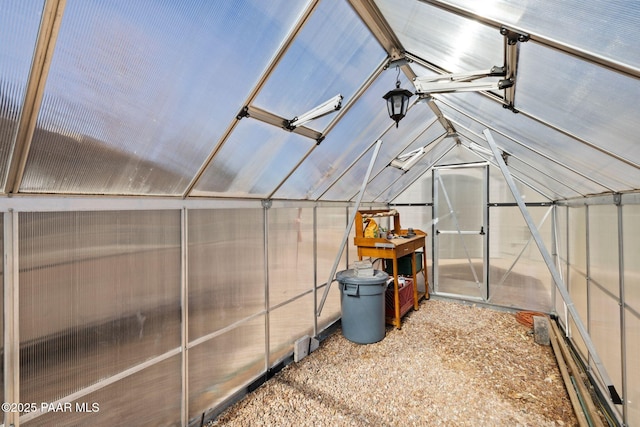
<point>397,101</point>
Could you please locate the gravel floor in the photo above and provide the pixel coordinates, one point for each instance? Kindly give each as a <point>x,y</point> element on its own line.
<point>450,364</point>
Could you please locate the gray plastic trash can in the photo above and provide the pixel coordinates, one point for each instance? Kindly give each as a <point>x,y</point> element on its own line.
<point>362,305</point>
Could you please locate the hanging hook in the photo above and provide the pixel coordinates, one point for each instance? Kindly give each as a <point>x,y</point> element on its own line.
<point>398,76</point>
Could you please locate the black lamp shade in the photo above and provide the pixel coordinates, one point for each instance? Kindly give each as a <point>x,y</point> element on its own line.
<point>397,103</point>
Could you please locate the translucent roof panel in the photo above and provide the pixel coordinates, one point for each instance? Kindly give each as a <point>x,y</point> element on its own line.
<point>19,22</point>
<point>253,161</point>
<point>435,154</point>
<point>536,194</point>
<point>394,142</point>
<point>449,41</point>
<point>499,191</point>
<point>333,54</point>
<point>562,154</point>
<point>584,99</point>
<point>388,177</point>
<point>359,128</point>
<point>604,27</point>
<point>138,93</point>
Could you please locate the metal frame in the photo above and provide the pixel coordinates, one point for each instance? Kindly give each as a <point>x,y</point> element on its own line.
<point>545,41</point>
<point>30,204</point>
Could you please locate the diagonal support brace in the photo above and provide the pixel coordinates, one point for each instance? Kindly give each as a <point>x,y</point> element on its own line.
<point>560,285</point>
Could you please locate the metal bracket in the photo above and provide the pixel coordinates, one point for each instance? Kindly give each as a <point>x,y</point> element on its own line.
<point>266,203</point>
<point>617,199</point>
<point>513,36</point>
<point>243,113</point>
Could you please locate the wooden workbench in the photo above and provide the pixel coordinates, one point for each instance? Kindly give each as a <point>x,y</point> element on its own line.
<point>392,249</point>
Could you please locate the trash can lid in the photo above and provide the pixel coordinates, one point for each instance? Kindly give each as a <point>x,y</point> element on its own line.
<point>350,277</point>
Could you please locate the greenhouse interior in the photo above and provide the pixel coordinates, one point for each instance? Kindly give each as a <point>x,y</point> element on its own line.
<point>181,181</point>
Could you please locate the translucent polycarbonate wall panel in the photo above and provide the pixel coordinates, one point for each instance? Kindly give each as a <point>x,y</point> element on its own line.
<point>418,192</point>
<point>603,249</point>
<point>453,43</point>
<point>99,293</point>
<point>287,324</point>
<point>150,397</point>
<point>586,25</point>
<point>378,187</point>
<point>19,21</point>
<point>226,267</point>
<point>526,178</point>
<point>253,161</point>
<point>632,331</point>
<point>604,287</point>
<point>394,141</point>
<point>291,264</point>
<point>526,160</point>
<point>499,191</point>
<point>518,276</point>
<point>331,223</point>
<point>631,251</point>
<point>359,129</point>
<point>390,181</point>
<point>559,95</point>
<point>2,280</point>
<point>605,332</point>
<point>133,98</point>
<point>560,156</point>
<point>556,187</point>
<point>577,282</point>
<point>422,167</point>
<point>333,54</point>
<point>331,311</point>
<point>222,365</point>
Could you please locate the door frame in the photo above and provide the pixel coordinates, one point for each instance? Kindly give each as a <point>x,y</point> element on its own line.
<point>484,231</point>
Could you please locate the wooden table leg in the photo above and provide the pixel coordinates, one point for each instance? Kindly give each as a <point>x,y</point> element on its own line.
<point>415,280</point>
<point>425,273</point>
<point>396,295</point>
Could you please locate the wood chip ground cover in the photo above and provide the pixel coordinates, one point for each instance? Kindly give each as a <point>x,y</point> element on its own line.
<point>451,364</point>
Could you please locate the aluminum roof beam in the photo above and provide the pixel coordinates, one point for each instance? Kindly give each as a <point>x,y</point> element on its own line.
<point>381,30</point>
<point>546,41</point>
<point>45,46</point>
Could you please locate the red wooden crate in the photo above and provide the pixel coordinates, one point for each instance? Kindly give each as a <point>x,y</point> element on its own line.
<point>406,298</point>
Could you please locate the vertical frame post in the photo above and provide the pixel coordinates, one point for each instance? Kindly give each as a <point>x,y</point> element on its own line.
<point>11,360</point>
<point>184,319</point>
<point>622,304</point>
